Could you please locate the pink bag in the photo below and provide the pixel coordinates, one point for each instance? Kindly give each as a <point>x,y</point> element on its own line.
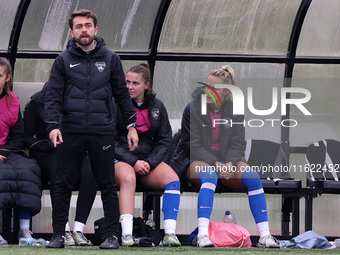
<point>229,235</point>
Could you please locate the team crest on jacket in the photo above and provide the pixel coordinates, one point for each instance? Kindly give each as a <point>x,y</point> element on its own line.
<point>155,113</point>
<point>100,66</point>
<point>227,125</point>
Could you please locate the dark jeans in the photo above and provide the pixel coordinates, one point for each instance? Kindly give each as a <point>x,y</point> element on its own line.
<point>87,187</point>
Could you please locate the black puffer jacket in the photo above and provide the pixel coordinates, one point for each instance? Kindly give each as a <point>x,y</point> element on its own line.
<point>20,182</point>
<point>196,136</point>
<point>154,144</point>
<point>83,85</point>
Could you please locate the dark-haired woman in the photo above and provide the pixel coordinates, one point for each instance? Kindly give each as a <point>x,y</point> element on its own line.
<point>146,164</point>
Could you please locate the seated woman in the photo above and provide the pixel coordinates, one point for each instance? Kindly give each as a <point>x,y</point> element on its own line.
<point>147,162</point>
<point>206,148</point>
<point>19,176</point>
<point>42,150</point>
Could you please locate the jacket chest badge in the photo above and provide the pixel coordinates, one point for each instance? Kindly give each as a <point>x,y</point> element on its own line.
<point>100,66</point>
<point>227,123</point>
<point>155,113</point>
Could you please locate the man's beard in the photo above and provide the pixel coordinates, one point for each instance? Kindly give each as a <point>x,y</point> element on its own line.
<point>81,43</point>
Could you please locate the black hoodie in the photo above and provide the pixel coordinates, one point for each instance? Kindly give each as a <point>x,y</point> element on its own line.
<point>36,135</point>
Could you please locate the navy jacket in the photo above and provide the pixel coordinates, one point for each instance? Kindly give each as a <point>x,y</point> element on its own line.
<point>81,87</point>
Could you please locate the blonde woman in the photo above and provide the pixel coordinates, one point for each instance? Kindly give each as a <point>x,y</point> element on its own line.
<point>215,152</point>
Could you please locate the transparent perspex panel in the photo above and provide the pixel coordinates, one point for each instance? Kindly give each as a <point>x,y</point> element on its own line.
<point>229,26</point>
<point>31,74</point>
<point>29,77</point>
<point>322,82</point>
<point>174,83</point>
<point>320,34</point>
<point>8,11</point>
<point>125,25</point>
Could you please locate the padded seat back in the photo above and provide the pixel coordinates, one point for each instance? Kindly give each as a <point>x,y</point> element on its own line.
<point>268,159</point>
<point>323,159</point>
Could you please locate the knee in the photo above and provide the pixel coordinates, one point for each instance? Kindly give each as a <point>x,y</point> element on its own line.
<point>250,174</point>
<point>208,175</point>
<point>250,177</point>
<point>128,180</point>
<point>174,178</point>
<point>64,185</point>
<point>173,185</point>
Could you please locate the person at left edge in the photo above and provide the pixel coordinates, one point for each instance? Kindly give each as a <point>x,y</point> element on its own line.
<point>84,79</point>
<point>20,183</point>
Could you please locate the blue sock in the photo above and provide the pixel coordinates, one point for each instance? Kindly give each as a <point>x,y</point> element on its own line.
<point>171,199</point>
<point>24,215</point>
<point>24,219</point>
<point>256,197</point>
<point>205,202</point>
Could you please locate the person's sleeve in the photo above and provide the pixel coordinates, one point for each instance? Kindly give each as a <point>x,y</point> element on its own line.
<point>122,152</point>
<point>54,95</point>
<point>162,141</point>
<point>121,92</point>
<point>31,124</point>
<point>15,139</point>
<point>124,155</point>
<point>191,136</point>
<point>185,129</point>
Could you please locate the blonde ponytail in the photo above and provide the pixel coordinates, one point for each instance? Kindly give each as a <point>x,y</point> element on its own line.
<point>225,72</point>
<point>229,70</point>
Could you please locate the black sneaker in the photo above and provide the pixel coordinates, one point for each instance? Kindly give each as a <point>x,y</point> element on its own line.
<point>111,242</point>
<point>57,241</point>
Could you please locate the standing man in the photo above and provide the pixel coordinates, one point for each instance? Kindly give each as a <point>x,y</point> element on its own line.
<point>79,114</point>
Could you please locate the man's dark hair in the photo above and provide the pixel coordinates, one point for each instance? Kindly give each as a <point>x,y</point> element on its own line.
<point>84,13</point>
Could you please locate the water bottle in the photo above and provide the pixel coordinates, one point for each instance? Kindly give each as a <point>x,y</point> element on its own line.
<point>40,242</point>
<point>229,218</point>
<point>337,243</point>
<point>25,241</point>
<point>150,221</point>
